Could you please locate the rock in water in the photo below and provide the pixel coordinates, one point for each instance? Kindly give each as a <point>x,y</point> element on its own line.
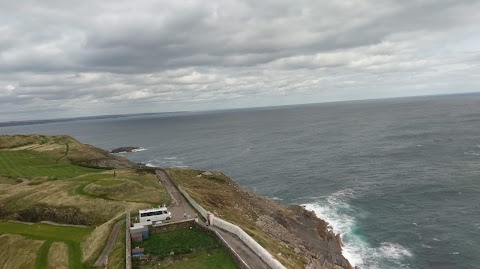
<point>124,149</point>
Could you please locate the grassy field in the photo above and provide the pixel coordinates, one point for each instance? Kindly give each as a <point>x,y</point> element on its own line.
<point>18,251</point>
<point>235,205</point>
<point>40,179</point>
<point>180,241</point>
<point>192,248</point>
<point>32,164</point>
<point>206,259</point>
<point>71,236</point>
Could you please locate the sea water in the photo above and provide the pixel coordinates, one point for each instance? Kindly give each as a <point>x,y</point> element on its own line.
<point>399,179</point>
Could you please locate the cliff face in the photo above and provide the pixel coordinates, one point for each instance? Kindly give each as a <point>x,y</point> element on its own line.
<point>295,236</point>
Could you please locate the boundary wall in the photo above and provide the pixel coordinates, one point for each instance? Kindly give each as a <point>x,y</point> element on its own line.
<point>232,228</point>
<point>128,243</point>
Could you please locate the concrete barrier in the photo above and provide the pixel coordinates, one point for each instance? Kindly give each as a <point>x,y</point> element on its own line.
<point>128,243</point>
<point>232,228</point>
<point>249,241</point>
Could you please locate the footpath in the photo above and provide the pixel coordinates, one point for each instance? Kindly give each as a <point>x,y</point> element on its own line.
<point>179,205</point>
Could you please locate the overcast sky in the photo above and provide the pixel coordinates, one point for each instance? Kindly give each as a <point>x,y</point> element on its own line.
<point>76,58</point>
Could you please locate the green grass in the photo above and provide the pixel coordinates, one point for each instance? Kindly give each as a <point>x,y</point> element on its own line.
<point>29,164</point>
<point>217,258</point>
<point>72,236</point>
<point>42,255</point>
<point>109,182</point>
<point>179,241</point>
<point>116,259</point>
<point>74,255</point>
<point>43,231</point>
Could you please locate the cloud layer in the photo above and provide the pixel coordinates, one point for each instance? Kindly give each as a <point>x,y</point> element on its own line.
<point>102,57</point>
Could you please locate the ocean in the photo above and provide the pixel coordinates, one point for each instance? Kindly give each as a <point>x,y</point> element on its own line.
<point>398,178</point>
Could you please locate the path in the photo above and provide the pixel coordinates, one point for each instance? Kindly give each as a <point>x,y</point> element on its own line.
<point>180,205</point>
<point>111,241</point>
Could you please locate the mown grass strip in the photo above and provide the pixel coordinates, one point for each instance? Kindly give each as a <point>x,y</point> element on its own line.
<point>41,262</point>
<point>74,255</point>
<point>37,164</point>
<point>45,231</point>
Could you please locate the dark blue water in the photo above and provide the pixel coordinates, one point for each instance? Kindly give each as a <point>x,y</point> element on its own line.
<point>399,178</point>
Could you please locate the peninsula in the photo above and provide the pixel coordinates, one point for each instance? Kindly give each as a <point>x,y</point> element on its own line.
<point>57,179</point>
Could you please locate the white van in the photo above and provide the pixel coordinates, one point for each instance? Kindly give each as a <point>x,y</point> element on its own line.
<point>154,214</point>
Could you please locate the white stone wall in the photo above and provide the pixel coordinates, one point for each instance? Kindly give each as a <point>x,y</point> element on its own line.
<point>128,243</point>
<point>249,241</point>
<point>234,229</point>
<point>199,208</point>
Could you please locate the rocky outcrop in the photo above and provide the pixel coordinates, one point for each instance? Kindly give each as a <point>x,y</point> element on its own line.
<point>124,149</point>
<point>296,236</point>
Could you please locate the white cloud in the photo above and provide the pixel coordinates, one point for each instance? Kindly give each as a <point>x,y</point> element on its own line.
<point>112,56</point>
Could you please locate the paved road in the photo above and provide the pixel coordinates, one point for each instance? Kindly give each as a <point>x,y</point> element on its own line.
<point>180,209</point>
<point>180,205</point>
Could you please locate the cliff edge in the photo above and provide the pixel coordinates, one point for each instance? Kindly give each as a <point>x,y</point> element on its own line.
<point>294,235</point>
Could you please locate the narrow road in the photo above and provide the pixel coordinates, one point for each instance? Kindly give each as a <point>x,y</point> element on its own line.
<point>179,204</point>
<point>111,241</point>
<point>180,208</point>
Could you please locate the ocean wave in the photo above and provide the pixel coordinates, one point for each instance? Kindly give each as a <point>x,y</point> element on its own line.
<point>341,216</point>
<point>139,149</point>
<point>166,162</point>
<point>471,153</point>
<point>394,251</point>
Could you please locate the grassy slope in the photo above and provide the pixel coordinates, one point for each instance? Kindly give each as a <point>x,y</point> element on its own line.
<point>31,164</point>
<point>72,236</point>
<point>55,181</point>
<point>231,203</point>
<point>18,251</point>
<point>116,259</point>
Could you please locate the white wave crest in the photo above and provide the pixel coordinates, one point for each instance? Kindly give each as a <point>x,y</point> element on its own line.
<point>394,251</point>
<point>341,216</point>
<point>139,149</point>
<point>166,162</point>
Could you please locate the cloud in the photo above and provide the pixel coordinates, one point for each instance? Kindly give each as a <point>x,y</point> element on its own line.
<point>106,55</point>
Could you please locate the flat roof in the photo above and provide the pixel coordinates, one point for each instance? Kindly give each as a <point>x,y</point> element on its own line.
<point>152,209</point>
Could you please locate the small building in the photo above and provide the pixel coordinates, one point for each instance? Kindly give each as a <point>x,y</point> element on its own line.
<point>136,237</point>
<point>140,228</point>
<point>136,252</point>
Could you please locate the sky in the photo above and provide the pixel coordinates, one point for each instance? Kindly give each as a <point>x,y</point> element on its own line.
<point>63,59</point>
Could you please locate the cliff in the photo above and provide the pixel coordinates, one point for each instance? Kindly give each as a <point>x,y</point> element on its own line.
<point>295,236</point>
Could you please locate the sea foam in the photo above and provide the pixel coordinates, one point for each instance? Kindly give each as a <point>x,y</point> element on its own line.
<point>341,216</point>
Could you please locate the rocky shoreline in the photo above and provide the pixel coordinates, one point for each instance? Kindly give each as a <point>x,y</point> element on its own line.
<point>124,149</point>
<point>292,228</point>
